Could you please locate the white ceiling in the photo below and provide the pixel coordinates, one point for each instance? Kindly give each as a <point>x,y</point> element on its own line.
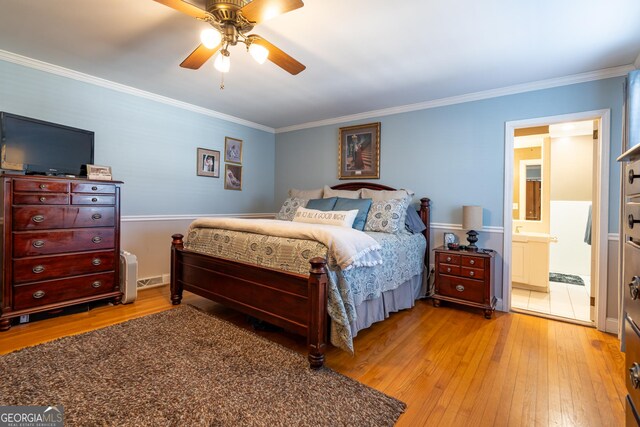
<point>360,55</point>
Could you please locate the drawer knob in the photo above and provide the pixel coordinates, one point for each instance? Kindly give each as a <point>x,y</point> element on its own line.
<point>38,269</point>
<point>632,176</point>
<point>43,186</point>
<point>38,294</point>
<point>42,199</point>
<point>448,269</point>
<point>94,188</point>
<point>631,220</point>
<point>96,216</point>
<point>472,262</point>
<point>94,199</point>
<point>472,273</point>
<point>634,375</point>
<point>38,243</point>
<point>96,239</point>
<point>96,284</point>
<point>448,258</point>
<point>459,288</point>
<point>37,218</point>
<point>634,287</point>
<point>96,261</point>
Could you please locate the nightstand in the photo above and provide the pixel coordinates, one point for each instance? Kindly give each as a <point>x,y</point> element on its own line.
<point>465,277</point>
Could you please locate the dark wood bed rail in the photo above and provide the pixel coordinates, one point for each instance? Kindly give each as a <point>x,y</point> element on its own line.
<point>294,302</point>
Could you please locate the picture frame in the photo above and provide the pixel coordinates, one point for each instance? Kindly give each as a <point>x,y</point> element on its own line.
<point>232,150</point>
<point>359,152</point>
<point>232,177</point>
<point>101,173</point>
<point>208,163</point>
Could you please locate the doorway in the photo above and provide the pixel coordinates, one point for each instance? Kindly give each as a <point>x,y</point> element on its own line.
<point>556,200</point>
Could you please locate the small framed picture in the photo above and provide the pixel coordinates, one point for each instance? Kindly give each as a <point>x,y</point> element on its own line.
<point>233,177</point>
<point>232,150</point>
<point>450,238</point>
<point>208,163</point>
<point>359,152</point>
<point>102,173</point>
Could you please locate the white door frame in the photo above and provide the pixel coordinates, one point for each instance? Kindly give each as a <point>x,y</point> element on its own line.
<point>600,216</point>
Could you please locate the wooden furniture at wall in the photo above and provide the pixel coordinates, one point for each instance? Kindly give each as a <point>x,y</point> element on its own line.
<point>465,277</point>
<point>60,243</point>
<point>630,266</point>
<point>295,302</point>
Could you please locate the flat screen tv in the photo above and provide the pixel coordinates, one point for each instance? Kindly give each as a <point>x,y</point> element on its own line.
<point>38,147</point>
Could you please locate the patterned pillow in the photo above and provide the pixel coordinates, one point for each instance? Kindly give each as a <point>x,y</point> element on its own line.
<point>339,218</point>
<point>387,216</point>
<point>289,208</point>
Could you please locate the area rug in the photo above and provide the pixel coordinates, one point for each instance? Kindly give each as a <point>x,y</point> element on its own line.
<point>566,278</point>
<point>183,367</point>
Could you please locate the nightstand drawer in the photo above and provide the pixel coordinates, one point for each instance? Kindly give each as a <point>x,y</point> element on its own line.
<point>457,287</point>
<point>448,258</point>
<point>449,269</point>
<point>473,273</point>
<point>472,261</point>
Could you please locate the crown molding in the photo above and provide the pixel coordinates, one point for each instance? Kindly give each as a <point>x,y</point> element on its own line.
<point>476,96</point>
<point>97,81</point>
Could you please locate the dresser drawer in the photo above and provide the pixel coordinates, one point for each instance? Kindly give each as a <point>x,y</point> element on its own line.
<point>632,185</point>
<point>448,258</point>
<point>52,291</point>
<point>449,269</point>
<point>59,241</point>
<point>632,363</point>
<point>472,261</point>
<point>93,188</point>
<point>41,186</point>
<point>474,273</point>
<point>92,199</point>
<point>51,267</point>
<point>40,199</point>
<point>458,287</point>
<point>632,214</point>
<point>47,217</point>
<point>631,283</point>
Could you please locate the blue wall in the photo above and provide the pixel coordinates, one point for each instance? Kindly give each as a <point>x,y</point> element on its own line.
<point>149,145</point>
<point>452,154</point>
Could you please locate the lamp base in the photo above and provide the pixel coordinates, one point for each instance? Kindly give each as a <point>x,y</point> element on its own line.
<point>472,238</point>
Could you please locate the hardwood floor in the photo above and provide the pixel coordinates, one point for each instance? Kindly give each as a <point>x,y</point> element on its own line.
<point>450,365</point>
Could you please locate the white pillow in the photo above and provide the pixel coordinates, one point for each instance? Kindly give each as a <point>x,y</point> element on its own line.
<point>384,195</point>
<point>312,216</point>
<point>306,194</point>
<point>346,194</point>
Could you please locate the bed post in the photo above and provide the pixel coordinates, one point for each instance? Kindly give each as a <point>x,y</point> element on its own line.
<point>317,323</point>
<point>425,216</point>
<point>176,288</point>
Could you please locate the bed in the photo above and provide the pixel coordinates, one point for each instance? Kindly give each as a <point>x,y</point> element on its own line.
<point>293,300</point>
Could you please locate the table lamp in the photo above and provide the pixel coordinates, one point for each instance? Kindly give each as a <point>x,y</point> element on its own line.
<point>472,220</point>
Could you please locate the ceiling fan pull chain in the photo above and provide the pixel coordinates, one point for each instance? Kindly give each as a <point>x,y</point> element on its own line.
<point>222,81</point>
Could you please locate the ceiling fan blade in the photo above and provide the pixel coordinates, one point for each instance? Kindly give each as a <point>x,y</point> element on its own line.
<point>184,7</point>
<point>198,57</point>
<point>262,10</point>
<point>278,57</point>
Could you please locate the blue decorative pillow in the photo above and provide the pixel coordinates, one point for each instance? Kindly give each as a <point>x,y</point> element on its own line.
<point>413,222</point>
<point>362,205</point>
<point>322,204</point>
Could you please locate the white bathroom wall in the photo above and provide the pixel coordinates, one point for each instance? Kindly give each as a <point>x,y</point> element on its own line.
<point>570,254</point>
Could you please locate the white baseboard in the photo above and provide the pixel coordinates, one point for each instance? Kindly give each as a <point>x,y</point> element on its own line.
<point>611,326</point>
<point>499,305</point>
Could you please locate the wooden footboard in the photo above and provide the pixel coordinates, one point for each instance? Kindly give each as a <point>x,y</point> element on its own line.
<point>294,302</point>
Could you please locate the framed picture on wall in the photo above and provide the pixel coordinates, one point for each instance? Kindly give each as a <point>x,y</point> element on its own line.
<point>232,150</point>
<point>359,152</point>
<point>233,177</point>
<point>208,163</point>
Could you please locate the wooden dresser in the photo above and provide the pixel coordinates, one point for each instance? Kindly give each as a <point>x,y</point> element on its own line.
<point>630,259</point>
<point>60,243</point>
<point>465,277</point>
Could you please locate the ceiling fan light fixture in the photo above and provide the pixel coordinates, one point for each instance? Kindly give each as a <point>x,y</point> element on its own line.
<point>258,52</point>
<point>222,62</point>
<point>210,38</point>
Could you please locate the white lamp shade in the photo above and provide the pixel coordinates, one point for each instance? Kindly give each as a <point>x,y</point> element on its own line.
<point>258,52</point>
<point>472,217</point>
<point>222,63</point>
<point>210,38</point>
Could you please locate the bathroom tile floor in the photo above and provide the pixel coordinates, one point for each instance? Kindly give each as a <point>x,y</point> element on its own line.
<point>563,300</point>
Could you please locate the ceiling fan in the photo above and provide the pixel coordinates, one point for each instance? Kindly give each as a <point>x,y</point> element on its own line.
<point>231,21</point>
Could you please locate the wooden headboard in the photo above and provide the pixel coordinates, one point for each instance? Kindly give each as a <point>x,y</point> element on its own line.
<point>424,211</point>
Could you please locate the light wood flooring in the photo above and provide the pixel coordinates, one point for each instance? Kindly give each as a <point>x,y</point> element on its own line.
<point>450,365</point>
